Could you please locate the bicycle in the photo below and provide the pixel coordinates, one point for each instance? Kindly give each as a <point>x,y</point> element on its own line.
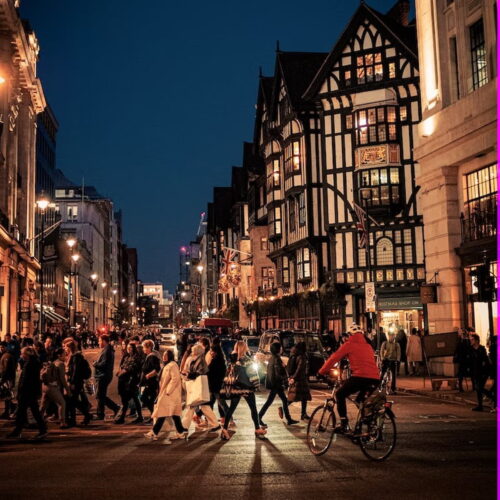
<point>374,430</point>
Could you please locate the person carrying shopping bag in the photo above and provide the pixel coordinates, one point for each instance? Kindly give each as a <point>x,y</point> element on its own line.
<point>197,391</point>
<point>276,382</point>
<point>169,401</point>
<point>237,384</point>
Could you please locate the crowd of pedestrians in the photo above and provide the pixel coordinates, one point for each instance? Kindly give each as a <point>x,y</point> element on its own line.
<point>53,380</point>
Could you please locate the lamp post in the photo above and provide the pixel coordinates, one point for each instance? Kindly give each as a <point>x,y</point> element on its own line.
<point>42,203</point>
<point>74,260</point>
<point>103,286</point>
<point>93,280</point>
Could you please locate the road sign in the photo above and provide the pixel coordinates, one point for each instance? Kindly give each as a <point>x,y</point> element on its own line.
<point>370,297</point>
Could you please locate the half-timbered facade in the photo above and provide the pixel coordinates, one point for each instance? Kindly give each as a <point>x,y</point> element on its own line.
<point>367,91</point>
<point>289,144</point>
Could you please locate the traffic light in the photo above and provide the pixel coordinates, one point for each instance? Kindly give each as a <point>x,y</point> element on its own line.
<point>485,284</point>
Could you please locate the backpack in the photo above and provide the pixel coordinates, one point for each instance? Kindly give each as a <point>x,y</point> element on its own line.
<point>48,373</point>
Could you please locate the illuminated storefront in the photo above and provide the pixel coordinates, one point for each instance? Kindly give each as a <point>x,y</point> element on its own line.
<point>399,313</point>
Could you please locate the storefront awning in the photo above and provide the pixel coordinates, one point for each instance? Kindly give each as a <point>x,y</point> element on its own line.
<point>51,314</point>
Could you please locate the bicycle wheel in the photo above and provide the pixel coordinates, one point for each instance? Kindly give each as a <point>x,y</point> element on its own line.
<point>320,430</point>
<point>378,436</point>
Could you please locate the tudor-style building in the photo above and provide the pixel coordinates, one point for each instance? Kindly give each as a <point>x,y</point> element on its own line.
<point>367,91</point>
<point>288,139</point>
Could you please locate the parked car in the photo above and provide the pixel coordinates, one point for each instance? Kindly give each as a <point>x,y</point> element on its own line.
<point>316,354</point>
<point>252,342</point>
<point>167,336</point>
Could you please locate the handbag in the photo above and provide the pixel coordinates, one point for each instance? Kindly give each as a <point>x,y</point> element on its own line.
<point>197,392</point>
<point>292,393</point>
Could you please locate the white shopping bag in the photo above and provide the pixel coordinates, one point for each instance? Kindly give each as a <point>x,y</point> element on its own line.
<point>197,392</point>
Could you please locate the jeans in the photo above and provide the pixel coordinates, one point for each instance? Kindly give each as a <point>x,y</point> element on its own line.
<point>77,401</point>
<point>270,399</point>
<point>222,405</point>
<point>149,395</point>
<point>161,420</point>
<point>102,398</point>
<point>365,386</point>
<point>22,415</point>
<point>387,364</point>
<point>480,391</point>
<point>252,404</point>
<point>126,396</point>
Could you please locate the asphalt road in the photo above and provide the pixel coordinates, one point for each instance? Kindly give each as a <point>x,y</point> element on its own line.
<point>444,451</point>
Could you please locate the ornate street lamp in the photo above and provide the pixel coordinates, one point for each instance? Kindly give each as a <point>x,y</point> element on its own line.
<point>42,204</point>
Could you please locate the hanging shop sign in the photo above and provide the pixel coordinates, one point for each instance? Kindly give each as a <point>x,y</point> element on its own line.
<point>370,297</point>
<point>428,293</point>
<point>377,156</point>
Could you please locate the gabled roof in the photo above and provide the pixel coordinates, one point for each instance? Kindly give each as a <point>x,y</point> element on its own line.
<point>264,96</point>
<point>297,69</point>
<point>404,36</point>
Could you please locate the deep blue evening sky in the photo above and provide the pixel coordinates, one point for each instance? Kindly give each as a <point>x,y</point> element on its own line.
<point>155,98</point>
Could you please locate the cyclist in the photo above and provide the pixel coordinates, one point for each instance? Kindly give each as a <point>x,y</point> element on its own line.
<point>365,374</point>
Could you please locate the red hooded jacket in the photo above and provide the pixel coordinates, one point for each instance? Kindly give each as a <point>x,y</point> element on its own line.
<point>360,355</point>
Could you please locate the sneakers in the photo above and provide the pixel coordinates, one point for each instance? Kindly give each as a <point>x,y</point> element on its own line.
<point>280,412</point>
<point>343,427</point>
<point>263,424</point>
<point>305,417</point>
<point>151,436</point>
<point>215,429</point>
<point>260,433</point>
<point>292,422</point>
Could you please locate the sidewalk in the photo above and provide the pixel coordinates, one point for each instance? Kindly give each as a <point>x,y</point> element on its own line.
<point>415,385</point>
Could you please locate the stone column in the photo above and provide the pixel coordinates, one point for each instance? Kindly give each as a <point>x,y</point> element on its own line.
<point>440,205</point>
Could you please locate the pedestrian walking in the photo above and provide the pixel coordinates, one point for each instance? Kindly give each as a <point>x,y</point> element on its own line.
<point>390,353</point>
<point>149,375</point>
<point>77,371</point>
<point>276,382</point>
<point>463,358</point>
<point>195,366</point>
<point>103,374</point>
<point>378,339</point>
<point>480,368</point>
<point>169,403</point>
<point>28,392</point>
<point>128,383</point>
<point>238,384</point>
<point>493,367</point>
<point>8,366</point>
<point>55,386</point>
<point>402,340</point>
<point>414,352</point>
<point>298,390</point>
<point>216,371</point>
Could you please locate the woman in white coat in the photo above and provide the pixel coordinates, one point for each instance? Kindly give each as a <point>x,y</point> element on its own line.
<point>414,351</point>
<point>169,401</point>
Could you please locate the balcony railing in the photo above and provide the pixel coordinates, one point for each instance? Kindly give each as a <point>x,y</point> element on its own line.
<point>479,225</point>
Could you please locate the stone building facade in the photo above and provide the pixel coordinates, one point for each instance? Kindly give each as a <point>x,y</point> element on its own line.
<point>21,99</point>
<point>457,152</point>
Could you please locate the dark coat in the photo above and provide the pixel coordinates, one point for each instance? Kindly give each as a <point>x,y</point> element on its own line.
<point>216,371</point>
<point>131,364</point>
<point>463,356</point>
<point>402,340</point>
<point>480,363</point>
<point>297,369</point>
<point>151,363</point>
<point>103,366</point>
<point>30,385</point>
<point>7,367</point>
<point>276,376</point>
<point>75,371</point>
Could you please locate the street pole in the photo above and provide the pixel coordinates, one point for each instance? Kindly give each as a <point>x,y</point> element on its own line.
<point>371,316</point>
<point>42,244</point>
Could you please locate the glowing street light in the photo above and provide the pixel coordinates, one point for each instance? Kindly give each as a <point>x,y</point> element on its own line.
<point>71,242</point>
<point>94,276</point>
<point>43,202</point>
<point>104,284</point>
<point>75,257</point>
<point>199,268</point>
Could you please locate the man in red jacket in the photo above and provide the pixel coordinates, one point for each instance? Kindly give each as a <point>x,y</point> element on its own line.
<point>365,375</point>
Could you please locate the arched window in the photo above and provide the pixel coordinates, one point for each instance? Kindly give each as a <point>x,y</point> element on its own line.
<point>385,254</point>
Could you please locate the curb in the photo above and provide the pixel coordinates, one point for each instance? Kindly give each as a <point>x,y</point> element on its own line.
<point>438,395</point>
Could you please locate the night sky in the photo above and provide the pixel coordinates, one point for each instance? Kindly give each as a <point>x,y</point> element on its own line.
<point>155,98</point>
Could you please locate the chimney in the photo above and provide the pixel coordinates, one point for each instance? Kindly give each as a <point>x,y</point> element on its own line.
<point>400,12</point>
